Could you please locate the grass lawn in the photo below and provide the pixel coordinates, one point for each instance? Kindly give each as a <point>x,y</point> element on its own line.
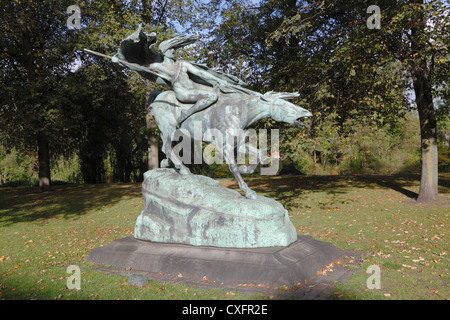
<point>42,234</point>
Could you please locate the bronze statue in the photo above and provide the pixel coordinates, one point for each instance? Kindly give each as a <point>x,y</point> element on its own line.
<point>200,94</point>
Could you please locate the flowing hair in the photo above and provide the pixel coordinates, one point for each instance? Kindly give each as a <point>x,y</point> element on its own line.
<point>167,46</point>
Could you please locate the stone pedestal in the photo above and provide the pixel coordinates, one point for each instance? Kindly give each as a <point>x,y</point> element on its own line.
<point>195,210</point>
<point>272,266</point>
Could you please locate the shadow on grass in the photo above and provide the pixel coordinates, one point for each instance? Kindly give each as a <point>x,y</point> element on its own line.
<point>70,201</point>
<point>287,189</point>
<point>26,204</point>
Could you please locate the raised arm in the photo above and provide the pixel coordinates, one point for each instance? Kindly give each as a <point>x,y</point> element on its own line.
<point>203,74</point>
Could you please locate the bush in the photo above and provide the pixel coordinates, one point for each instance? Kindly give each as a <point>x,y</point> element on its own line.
<point>444,143</point>
<point>20,169</point>
<point>66,169</point>
<point>358,146</point>
<point>375,148</point>
<point>16,168</point>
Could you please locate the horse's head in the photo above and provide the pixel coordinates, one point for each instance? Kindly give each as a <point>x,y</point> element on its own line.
<point>285,111</point>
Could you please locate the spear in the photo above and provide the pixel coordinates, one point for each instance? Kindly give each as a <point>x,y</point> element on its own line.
<point>128,64</point>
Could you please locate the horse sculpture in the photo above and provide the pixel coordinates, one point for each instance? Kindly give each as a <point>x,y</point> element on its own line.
<point>230,114</point>
<point>200,95</point>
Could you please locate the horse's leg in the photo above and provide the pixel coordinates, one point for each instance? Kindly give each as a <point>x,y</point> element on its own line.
<point>244,148</point>
<point>229,158</point>
<point>171,156</point>
<point>165,109</point>
<point>165,163</point>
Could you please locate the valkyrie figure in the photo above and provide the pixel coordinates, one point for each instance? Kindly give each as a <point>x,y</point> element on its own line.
<point>191,83</point>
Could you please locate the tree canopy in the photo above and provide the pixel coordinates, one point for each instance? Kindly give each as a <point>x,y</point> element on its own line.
<point>342,65</point>
<point>57,100</point>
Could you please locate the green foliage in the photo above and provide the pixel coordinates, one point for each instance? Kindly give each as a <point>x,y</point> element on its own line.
<point>444,143</point>
<point>20,168</point>
<point>38,51</point>
<point>82,105</point>
<point>16,168</point>
<point>373,149</point>
<point>94,111</point>
<point>112,105</point>
<point>356,146</point>
<point>67,169</point>
<point>345,71</point>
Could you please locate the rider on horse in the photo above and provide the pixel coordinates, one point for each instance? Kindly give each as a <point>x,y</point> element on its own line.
<point>192,83</point>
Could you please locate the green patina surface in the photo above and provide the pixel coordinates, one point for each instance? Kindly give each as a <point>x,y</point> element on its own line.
<point>195,210</point>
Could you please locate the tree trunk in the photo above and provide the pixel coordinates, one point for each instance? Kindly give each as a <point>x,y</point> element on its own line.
<point>44,163</point>
<point>424,100</point>
<point>429,178</point>
<point>146,13</point>
<point>152,151</point>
